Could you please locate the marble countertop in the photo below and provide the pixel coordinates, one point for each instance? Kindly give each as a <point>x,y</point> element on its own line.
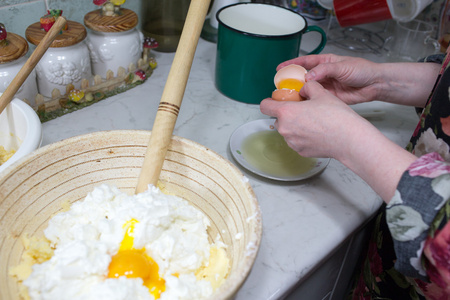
<point>303,221</point>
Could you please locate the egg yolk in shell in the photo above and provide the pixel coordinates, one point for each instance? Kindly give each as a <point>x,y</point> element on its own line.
<point>135,263</point>
<point>291,84</point>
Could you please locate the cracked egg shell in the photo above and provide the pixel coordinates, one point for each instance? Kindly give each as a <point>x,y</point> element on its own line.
<point>288,81</point>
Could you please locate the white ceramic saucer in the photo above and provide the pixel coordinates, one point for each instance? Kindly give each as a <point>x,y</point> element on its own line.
<point>249,129</point>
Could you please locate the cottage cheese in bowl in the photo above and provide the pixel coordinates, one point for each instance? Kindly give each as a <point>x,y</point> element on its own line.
<point>115,246</point>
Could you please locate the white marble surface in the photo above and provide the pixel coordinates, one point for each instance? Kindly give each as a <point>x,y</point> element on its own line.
<point>303,222</point>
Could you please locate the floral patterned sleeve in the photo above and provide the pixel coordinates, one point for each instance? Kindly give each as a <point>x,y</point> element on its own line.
<point>422,227</point>
<point>418,214</point>
<point>409,248</point>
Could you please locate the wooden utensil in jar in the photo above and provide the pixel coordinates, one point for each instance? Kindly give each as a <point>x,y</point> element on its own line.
<point>172,96</point>
<point>31,63</point>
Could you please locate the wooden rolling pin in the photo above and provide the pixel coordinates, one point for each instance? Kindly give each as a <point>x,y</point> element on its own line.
<point>172,96</point>
<point>31,63</point>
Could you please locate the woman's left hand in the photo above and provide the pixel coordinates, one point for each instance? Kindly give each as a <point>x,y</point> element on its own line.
<point>324,126</point>
<point>321,126</point>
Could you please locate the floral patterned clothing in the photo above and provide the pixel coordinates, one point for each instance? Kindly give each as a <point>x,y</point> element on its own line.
<point>409,252</point>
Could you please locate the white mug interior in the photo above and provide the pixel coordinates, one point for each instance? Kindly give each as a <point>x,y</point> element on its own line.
<point>261,19</point>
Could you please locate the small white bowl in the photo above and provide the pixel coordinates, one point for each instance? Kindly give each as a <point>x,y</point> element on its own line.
<point>20,130</point>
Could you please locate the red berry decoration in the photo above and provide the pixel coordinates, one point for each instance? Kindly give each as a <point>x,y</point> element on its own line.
<point>49,19</point>
<point>47,22</point>
<point>150,42</point>
<point>139,76</point>
<point>3,33</point>
<point>99,2</point>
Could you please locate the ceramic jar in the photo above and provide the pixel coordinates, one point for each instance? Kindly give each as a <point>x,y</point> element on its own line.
<point>113,41</point>
<point>65,62</point>
<point>12,59</point>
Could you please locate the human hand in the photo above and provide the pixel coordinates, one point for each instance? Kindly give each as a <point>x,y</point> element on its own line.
<point>321,126</point>
<point>356,80</point>
<point>324,126</point>
<point>353,80</point>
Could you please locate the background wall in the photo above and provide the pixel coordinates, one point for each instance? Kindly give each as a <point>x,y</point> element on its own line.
<point>17,15</point>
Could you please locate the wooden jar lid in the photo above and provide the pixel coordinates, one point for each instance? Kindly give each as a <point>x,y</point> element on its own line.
<point>127,20</point>
<point>16,47</point>
<point>74,34</point>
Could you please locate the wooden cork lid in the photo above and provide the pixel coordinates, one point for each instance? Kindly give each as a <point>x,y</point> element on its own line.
<point>15,48</point>
<point>74,34</point>
<point>127,20</point>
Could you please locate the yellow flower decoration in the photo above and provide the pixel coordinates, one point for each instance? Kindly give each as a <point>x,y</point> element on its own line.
<point>152,63</point>
<point>117,2</point>
<point>76,95</point>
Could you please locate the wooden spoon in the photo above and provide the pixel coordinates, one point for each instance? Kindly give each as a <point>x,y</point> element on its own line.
<point>172,96</point>
<point>32,61</point>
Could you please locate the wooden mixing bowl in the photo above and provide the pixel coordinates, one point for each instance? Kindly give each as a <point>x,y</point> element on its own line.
<point>38,185</point>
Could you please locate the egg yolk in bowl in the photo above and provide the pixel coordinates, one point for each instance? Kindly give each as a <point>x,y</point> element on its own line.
<point>135,263</point>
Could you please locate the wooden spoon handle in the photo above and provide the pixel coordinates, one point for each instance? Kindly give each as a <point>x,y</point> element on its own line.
<point>32,61</point>
<point>172,96</point>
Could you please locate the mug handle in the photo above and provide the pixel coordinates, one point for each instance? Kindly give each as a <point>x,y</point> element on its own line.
<point>323,41</point>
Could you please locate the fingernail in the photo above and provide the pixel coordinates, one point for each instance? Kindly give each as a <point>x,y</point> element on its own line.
<point>311,75</point>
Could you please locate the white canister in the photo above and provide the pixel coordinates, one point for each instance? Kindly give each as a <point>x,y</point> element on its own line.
<point>65,62</point>
<point>12,59</point>
<point>59,67</point>
<point>113,41</point>
<point>111,50</point>
<point>28,90</point>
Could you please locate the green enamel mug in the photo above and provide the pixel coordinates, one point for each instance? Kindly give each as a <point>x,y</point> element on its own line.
<point>252,39</point>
